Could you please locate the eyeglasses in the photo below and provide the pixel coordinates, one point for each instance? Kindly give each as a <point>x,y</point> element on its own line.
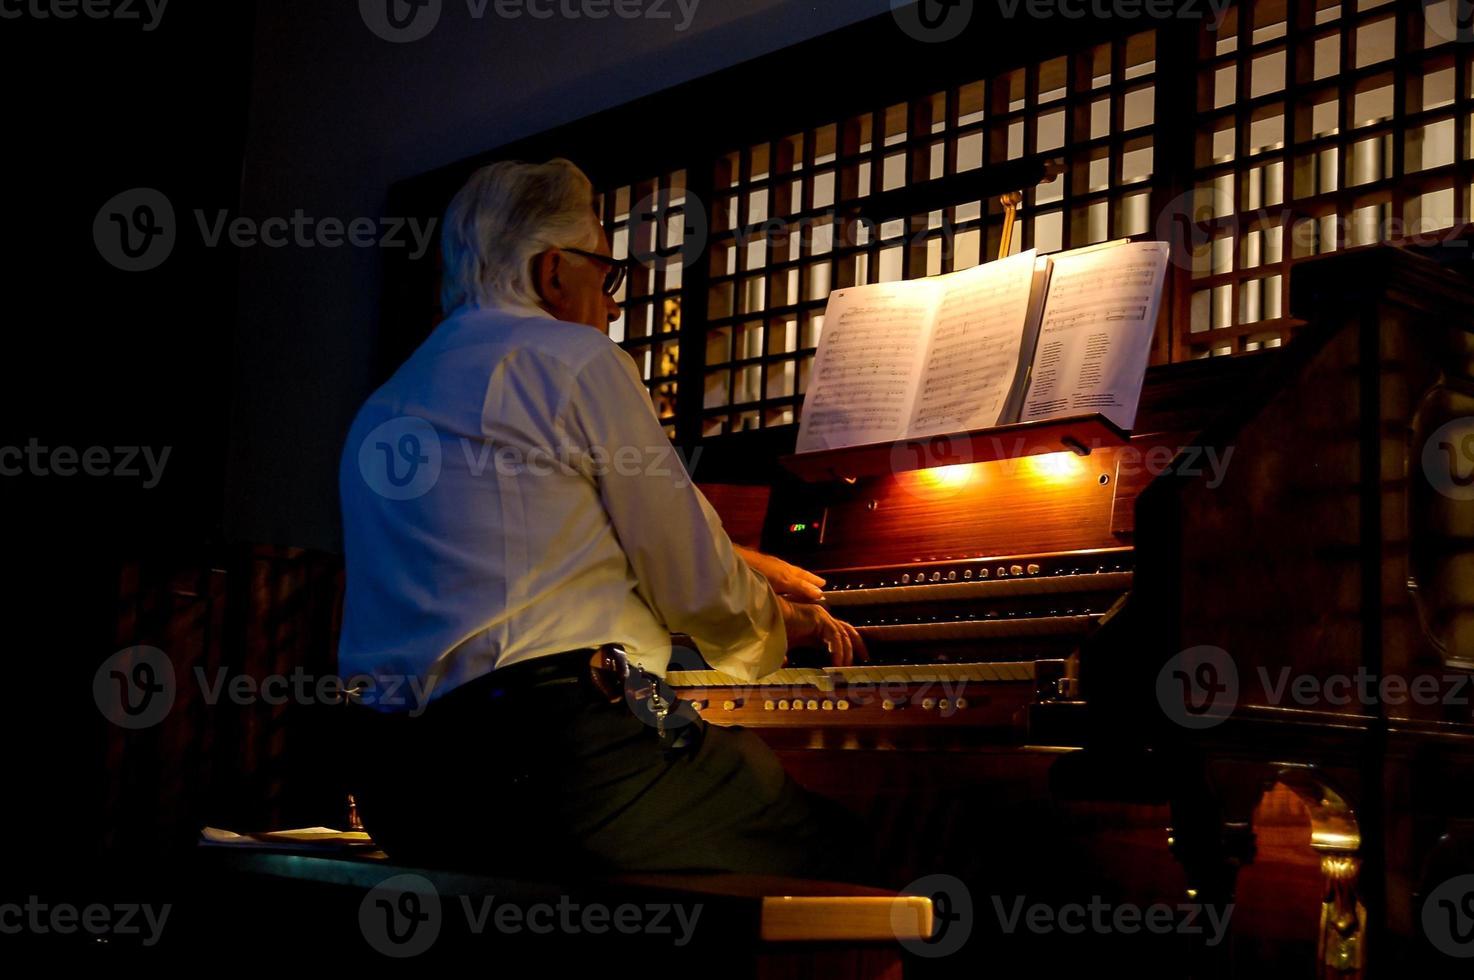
<point>614,278</point>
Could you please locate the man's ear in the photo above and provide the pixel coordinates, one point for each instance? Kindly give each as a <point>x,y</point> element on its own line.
<point>545,267</point>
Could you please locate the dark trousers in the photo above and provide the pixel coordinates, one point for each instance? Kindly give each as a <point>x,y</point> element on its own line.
<point>551,779</point>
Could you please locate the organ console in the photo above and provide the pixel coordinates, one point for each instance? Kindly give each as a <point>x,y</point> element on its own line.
<point>1171,622</point>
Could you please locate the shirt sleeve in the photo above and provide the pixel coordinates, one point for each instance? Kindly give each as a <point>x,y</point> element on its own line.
<point>687,570</point>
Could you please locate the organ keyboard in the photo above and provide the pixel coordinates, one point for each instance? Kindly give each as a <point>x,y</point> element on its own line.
<point>1017,594</point>
<point>1020,596</point>
<point>999,628</point>
<point>825,678</point>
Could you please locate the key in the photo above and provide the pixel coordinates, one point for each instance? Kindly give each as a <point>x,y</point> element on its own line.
<point>661,709</point>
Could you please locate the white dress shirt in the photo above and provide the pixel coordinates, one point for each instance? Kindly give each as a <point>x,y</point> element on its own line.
<point>509,493</point>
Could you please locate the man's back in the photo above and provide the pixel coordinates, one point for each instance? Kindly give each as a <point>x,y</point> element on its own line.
<point>483,487</point>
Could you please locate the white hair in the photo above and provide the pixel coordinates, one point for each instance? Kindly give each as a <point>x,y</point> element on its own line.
<point>504,216</point>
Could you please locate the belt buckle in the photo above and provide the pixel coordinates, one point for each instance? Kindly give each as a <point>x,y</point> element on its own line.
<point>612,672</point>
<point>616,680</point>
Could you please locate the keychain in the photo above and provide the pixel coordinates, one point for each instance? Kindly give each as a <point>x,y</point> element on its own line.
<point>659,707</point>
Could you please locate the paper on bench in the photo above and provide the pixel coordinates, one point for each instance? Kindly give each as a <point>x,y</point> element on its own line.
<point>326,836</point>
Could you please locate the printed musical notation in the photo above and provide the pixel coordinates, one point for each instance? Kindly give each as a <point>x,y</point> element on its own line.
<point>1095,338</point>
<point>986,346</point>
<point>974,354</point>
<point>864,372</point>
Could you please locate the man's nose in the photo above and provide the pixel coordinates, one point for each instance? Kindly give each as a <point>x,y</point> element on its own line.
<point>611,308</point>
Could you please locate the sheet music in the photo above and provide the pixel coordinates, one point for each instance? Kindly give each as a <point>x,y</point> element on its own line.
<point>1096,334</point>
<point>868,362</point>
<point>973,359</point>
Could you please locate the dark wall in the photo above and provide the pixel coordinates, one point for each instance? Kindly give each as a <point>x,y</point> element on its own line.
<point>338,116</point>
<point>101,357</point>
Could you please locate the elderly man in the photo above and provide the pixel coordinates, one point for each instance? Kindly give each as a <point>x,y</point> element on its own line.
<point>521,543</point>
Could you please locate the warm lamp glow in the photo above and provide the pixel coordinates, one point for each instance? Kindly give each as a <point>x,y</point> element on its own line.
<point>948,477</point>
<point>1335,841</point>
<point>1056,466</point>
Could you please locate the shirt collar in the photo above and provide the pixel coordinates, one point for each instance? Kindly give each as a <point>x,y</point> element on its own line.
<point>517,308</point>
<point>509,307</point>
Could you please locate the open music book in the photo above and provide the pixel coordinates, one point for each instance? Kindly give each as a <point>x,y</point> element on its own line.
<point>1024,338</point>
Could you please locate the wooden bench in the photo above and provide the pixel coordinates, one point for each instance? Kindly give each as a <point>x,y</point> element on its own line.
<point>713,925</point>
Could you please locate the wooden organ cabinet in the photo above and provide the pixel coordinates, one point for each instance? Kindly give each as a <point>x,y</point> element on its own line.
<point>1129,668</point>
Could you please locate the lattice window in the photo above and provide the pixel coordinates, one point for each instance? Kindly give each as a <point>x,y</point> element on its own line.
<point>784,233</point>
<point>1319,124</point>
<point>1322,125</point>
<point>1095,111</point>
<point>770,272</point>
<point>651,294</point>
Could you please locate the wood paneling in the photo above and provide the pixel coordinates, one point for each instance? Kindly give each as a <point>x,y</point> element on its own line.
<point>231,760</point>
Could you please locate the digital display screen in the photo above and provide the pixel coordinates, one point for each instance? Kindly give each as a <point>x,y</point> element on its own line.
<point>804,530</point>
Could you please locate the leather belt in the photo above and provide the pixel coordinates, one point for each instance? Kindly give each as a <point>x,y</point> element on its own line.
<point>612,677</point>
<point>569,665</point>
<point>606,668</point>
<point>604,674</point>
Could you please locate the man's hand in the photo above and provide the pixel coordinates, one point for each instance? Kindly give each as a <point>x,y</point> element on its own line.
<point>789,581</point>
<point>810,625</point>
